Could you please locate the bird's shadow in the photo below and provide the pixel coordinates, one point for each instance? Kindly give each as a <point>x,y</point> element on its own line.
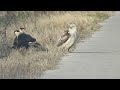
<point>90,52</point>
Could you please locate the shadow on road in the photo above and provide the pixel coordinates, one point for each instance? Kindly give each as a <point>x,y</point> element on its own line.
<point>90,52</point>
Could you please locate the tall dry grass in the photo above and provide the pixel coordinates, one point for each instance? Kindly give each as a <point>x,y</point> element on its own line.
<point>46,27</point>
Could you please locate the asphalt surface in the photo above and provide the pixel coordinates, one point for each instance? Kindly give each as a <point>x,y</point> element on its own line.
<point>97,58</point>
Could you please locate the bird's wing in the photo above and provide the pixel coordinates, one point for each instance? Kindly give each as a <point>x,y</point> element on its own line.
<point>30,39</point>
<point>25,38</point>
<point>63,38</point>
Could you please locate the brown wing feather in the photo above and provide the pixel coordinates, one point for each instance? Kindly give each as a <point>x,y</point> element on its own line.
<point>32,40</point>
<point>63,38</point>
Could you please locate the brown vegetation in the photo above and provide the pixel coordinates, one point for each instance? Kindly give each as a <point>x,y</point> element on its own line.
<point>46,27</point>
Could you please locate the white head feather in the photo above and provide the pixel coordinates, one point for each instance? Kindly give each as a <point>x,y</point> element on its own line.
<point>18,32</point>
<point>72,29</point>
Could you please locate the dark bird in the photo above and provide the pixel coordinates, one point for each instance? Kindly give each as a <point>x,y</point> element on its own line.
<point>23,40</point>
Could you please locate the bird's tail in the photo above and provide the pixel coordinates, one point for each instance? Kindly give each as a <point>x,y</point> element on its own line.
<point>38,46</point>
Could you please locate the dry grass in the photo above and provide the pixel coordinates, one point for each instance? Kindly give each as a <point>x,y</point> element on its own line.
<point>46,29</point>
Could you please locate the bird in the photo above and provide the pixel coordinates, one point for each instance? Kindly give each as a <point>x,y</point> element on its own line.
<point>67,39</point>
<point>23,40</point>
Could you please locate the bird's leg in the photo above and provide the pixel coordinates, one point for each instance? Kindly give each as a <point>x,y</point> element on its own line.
<point>69,50</point>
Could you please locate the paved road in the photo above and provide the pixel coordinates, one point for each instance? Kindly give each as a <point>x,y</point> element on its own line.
<point>96,58</point>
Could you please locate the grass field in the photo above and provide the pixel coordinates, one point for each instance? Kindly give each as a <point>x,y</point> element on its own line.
<point>46,28</point>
